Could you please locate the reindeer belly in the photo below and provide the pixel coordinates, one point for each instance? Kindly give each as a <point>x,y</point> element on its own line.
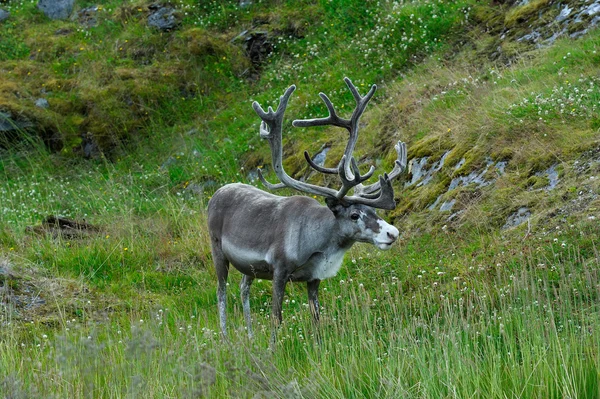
<point>248,261</point>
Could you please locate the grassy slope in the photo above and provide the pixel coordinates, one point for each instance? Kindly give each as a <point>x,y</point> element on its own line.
<point>463,310</point>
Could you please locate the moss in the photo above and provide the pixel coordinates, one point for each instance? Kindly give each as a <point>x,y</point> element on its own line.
<point>539,162</point>
<point>67,106</point>
<point>132,12</point>
<point>522,13</point>
<point>474,159</point>
<point>491,17</point>
<point>513,49</point>
<point>502,154</point>
<point>455,155</point>
<point>432,146</point>
<point>289,22</point>
<point>536,182</point>
<point>403,207</point>
<point>428,194</point>
<point>108,117</point>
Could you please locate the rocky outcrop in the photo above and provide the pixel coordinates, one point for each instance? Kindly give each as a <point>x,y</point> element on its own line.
<point>4,15</point>
<point>56,9</point>
<point>164,18</point>
<point>573,19</point>
<point>10,124</point>
<point>256,44</point>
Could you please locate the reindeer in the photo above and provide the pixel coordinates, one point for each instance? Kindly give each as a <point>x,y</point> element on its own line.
<point>296,238</point>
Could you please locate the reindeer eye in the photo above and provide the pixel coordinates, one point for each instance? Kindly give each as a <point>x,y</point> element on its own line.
<point>354,216</point>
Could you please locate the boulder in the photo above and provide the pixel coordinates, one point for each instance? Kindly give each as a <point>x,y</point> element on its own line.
<point>10,124</point>
<point>56,9</point>
<point>4,15</point>
<point>164,18</point>
<point>257,45</point>
<point>89,146</point>
<point>42,103</point>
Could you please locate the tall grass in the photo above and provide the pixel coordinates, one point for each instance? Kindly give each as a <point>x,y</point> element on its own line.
<point>524,335</point>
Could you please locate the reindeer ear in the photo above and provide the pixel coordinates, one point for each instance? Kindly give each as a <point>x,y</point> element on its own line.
<point>334,205</point>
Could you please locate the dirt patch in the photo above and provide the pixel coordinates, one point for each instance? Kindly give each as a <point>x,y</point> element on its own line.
<point>57,226</point>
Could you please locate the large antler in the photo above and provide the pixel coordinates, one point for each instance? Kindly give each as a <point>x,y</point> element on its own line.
<point>333,119</point>
<point>399,166</point>
<point>352,126</point>
<point>378,195</point>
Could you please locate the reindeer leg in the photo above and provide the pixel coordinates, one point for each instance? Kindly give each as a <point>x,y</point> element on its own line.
<point>245,293</point>
<point>313,298</point>
<point>279,282</point>
<point>313,303</point>
<point>222,268</point>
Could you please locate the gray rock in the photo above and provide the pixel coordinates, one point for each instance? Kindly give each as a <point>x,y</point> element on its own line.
<point>517,218</point>
<point>163,18</point>
<point>168,163</point>
<point>9,124</point>
<point>419,172</point>
<point>434,169</point>
<point>593,9</point>
<point>435,203</point>
<point>194,190</point>
<point>552,174</point>
<point>4,15</point>
<point>252,175</point>
<point>549,41</point>
<point>447,205</point>
<point>42,103</point>
<point>460,164</point>
<point>477,177</point>
<point>576,35</point>
<point>56,9</point>
<point>257,45</point>
<point>564,13</point>
<point>88,16</point>
<point>501,166</point>
<point>89,146</point>
<point>320,157</point>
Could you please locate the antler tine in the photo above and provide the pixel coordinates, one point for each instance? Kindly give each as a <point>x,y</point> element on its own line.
<point>271,129</point>
<point>386,195</point>
<point>399,166</point>
<point>384,199</point>
<point>361,102</point>
<point>318,168</point>
<point>361,105</point>
<point>333,119</point>
<point>272,116</point>
<point>267,184</point>
<point>349,182</point>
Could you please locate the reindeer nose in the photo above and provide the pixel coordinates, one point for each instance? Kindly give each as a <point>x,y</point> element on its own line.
<point>392,236</point>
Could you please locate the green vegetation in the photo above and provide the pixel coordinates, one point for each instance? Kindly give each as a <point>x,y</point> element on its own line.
<point>461,307</point>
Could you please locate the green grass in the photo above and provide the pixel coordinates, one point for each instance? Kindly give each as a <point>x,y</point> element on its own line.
<point>449,330</point>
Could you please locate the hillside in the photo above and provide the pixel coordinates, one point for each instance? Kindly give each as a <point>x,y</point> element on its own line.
<point>125,117</point>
